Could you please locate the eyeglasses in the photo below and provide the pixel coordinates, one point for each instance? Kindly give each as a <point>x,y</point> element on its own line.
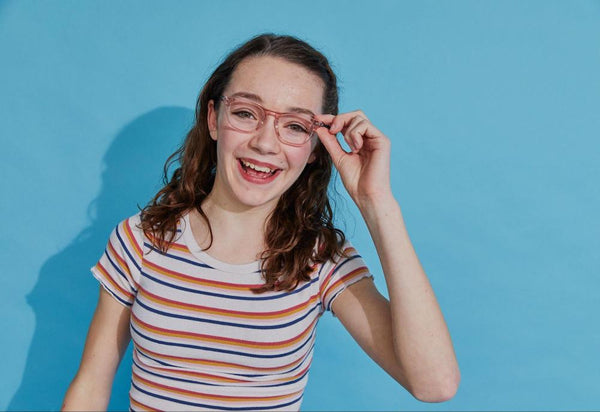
<point>293,129</point>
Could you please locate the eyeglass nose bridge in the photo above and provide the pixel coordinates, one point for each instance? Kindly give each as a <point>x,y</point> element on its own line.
<point>267,112</point>
<point>263,120</point>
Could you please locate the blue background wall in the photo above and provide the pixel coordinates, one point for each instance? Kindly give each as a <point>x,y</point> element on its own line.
<point>493,109</point>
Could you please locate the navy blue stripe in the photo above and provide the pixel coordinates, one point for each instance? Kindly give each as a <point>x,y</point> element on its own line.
<point>125,247</point>
<point>333,297</point>
<point>107,287</point>
<point>221,295</point>
<point>308,352</point>
<point>156,360</point>
<point>220,322</point>
<point>114,265</point>
<point>259,375</point>
<point>240,384</point>
<point>338,266</point>
<point>229,352</point>
<point>255,375</point>
<point>215,407</point>
<point>343,289</point>
<point>191,262</point>
<point>172,378</point>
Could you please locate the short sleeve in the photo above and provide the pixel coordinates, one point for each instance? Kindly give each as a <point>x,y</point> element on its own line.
<point>119,268</point>
<point>340,273</point>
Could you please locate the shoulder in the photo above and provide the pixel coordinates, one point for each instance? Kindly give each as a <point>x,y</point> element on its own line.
<point>129,233</point>
<point>344,252</point>
<point>132,224</point>
<point>345,269</point>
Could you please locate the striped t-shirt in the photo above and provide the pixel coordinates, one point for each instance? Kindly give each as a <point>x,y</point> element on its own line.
<point>202,339</point>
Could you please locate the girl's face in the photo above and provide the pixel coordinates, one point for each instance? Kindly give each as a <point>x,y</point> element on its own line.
<point>277,85</point>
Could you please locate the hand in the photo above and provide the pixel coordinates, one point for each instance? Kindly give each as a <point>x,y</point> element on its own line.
<point>365,171</point>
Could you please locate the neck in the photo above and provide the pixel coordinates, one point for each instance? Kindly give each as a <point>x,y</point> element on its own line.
<point>238,235</point>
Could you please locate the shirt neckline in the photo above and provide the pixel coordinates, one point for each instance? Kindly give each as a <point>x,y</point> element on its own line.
<point>197,251</point>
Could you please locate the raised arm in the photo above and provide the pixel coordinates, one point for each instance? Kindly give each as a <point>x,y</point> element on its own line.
<point>106,342</point>
<point>406,335</point>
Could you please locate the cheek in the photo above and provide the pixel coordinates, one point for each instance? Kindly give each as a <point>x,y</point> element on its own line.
<point>299,157</point>
<point>228,141</point>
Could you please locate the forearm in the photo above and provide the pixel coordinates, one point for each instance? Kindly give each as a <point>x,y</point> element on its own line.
<point>421,339</point>
<point>86,395</point>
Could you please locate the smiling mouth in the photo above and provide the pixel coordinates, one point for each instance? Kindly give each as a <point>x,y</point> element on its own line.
<point>257,171</point>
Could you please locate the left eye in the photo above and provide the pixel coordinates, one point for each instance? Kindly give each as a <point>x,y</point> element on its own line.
<point>297,127</point>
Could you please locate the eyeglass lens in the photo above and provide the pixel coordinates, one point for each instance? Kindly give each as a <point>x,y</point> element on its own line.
<point>247,117</point>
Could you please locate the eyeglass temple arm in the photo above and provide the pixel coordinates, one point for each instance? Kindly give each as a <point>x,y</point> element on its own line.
<point>321,124</point>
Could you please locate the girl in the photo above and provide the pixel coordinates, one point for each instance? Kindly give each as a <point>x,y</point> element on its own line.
<point>221,279</point>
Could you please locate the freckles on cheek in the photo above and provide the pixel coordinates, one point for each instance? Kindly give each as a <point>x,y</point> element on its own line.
<point>299,161</point>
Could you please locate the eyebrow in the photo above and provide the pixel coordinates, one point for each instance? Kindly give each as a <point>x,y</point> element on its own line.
<point>257,99</point>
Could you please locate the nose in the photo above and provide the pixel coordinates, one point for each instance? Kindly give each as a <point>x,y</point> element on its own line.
<point>265,140</point>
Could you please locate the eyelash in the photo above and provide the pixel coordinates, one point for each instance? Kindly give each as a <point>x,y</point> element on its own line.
<point>298,126</point>
<point>245,114</point>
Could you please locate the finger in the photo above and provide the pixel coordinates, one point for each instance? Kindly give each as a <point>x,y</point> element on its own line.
<point>331,144</point>
<point>353,133</point>
<point>341,121</point>
<point>325,118</point>
<point>363,131</point>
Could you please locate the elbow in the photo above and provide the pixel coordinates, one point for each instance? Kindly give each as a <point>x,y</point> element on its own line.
<point>439,392</point>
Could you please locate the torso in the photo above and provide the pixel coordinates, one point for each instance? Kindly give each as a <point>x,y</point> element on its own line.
<point>201,336</point>
<point>202,339</point>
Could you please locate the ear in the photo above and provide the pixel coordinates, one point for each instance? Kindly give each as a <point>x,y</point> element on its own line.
<point>212,120</point>
<point>315,146</point>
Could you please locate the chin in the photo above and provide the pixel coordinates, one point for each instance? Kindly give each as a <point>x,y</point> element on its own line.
<point>256,200</point>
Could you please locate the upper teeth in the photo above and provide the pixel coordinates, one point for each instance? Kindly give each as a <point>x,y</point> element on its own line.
<point>257,168</point>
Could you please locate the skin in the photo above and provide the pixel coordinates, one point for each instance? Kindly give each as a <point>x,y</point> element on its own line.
<point>406,335</point>
<point>235,207</point>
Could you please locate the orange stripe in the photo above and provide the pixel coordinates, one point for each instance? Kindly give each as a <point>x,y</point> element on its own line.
<point>356,272</point>
<point>140,405</point>
<point>195,280</point>
<point>177,246</point>
<point>122,263</point>
<point>219,363</point>
<point>224,312</point>
<point>223,340</point>
<point>202,375</point>
<point>216,378</point>
<point>328,278</point>
<point>110,280</point>
<point>181,248</point>
<point>132,241</point>
<point>191,373</point>
<point>203,395</point>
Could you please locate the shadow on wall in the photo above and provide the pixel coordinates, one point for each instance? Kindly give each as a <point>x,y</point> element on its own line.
<point>66,293</point>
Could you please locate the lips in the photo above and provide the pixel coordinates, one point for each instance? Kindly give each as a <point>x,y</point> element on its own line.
<point>264,169</point>
<point>258,163</point>
<point>256,171</point>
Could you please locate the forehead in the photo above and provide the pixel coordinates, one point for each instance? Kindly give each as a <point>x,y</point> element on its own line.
<point>278,83</point>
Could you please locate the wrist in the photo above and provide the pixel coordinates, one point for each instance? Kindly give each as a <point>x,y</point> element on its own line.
<point>377,210</point>
<point>376,201</point>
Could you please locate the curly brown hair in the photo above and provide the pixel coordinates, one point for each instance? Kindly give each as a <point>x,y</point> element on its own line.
<point>303,216</point>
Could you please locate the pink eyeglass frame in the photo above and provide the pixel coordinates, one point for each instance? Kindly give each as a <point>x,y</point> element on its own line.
<point>315,123</point>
